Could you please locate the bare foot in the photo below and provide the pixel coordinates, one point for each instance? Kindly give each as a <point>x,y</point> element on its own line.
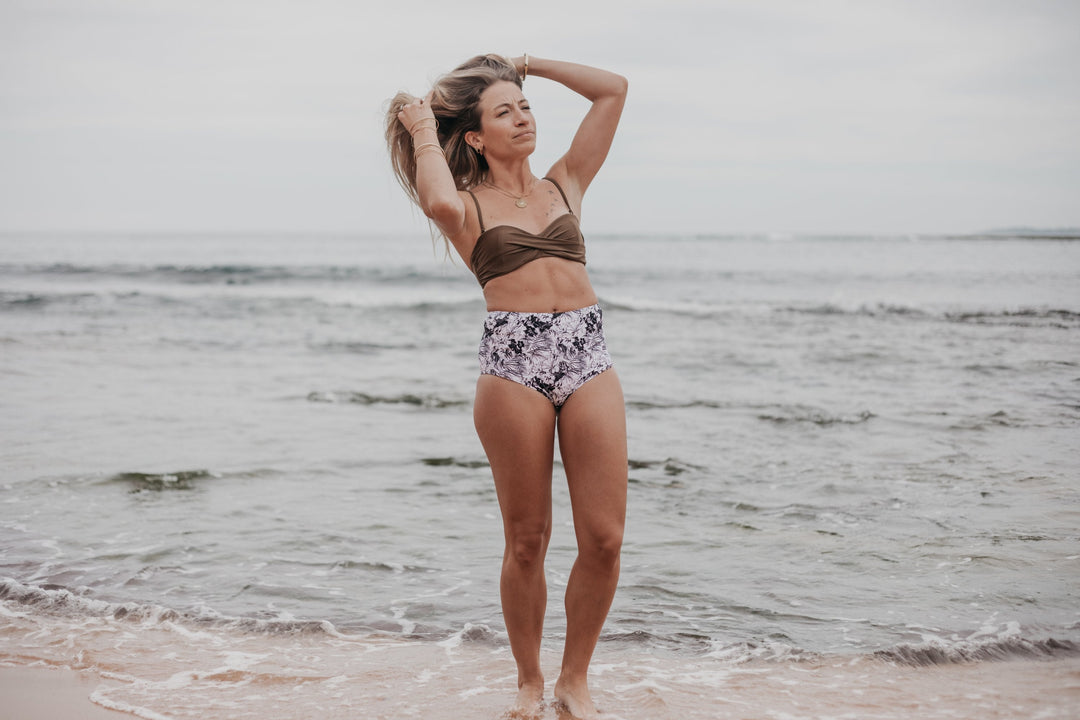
<point>575,699</point>
<point>529,704</point>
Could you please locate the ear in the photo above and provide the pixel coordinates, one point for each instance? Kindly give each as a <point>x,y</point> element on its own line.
<point>473,139</point>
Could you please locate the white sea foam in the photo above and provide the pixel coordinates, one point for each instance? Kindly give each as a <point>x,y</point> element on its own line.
<point>101,697</point>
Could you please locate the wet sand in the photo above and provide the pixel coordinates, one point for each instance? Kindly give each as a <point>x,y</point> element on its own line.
<point>864,689</point>
<point>42,693</point>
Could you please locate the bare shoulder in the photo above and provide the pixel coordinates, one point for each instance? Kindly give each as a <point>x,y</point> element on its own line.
<point>565,180</point>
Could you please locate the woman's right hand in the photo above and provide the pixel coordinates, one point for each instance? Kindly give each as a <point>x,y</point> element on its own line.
<point>413,112</point>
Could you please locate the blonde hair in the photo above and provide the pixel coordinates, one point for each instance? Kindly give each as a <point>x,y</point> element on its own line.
<point>456,104</point>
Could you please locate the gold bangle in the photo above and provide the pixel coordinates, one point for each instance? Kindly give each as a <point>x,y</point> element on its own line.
<point>424,119</point>
<point>428,148</point>
<point>525,72</point>
<point>429,151</point>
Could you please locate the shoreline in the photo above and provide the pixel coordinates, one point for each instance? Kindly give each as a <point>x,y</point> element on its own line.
<point>966,691</point>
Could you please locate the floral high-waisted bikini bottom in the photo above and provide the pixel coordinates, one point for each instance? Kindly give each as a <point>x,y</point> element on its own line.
<point>553,353</point>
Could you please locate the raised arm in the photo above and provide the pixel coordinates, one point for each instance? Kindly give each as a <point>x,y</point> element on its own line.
<point>435,189</point>
<point>607,93</point>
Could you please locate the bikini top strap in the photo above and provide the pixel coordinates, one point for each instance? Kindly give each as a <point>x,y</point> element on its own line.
<point>479,215</point>
<point>561,193</point>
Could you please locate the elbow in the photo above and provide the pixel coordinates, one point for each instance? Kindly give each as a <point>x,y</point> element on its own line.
<point>620,86</point>
<point>615,90</point>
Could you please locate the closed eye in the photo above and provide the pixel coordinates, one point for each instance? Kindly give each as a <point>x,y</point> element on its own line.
<point>503,111</point>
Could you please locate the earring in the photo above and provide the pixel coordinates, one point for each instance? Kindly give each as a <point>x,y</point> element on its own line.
<point>479,151</point>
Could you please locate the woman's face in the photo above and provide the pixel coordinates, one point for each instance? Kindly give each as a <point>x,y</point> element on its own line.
<point>507,126</point>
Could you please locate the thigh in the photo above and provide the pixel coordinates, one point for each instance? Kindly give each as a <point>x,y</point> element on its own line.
<point>516,425</point>
<point>592,441</point>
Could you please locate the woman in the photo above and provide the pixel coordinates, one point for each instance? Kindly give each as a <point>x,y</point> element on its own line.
<point>462,154</point>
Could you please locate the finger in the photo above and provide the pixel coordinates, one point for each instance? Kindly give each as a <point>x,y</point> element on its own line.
<point>427,98</point>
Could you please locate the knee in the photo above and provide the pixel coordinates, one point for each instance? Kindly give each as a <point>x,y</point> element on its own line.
<point>601,549</point>
<point>526,548</point>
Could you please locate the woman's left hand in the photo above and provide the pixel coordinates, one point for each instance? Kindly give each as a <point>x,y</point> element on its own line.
<point>519,65</point>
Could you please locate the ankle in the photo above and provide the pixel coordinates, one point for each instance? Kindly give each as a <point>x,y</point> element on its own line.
<point>572,681</point>
<point>530,679</point>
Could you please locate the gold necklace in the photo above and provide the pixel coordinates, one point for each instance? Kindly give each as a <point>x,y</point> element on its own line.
<point>519,200</point>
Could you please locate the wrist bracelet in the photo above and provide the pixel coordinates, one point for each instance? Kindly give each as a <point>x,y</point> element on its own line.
<point>421,120</point>
<point>428,147</point>
<point>429,151</point>
<point>525,71</point>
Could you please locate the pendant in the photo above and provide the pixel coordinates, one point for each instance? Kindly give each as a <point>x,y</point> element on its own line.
<point>520,202</point>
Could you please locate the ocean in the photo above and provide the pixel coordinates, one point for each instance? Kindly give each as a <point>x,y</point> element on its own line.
<point>239,477</point>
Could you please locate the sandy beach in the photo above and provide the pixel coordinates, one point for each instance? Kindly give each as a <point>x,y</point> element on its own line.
<point>44,693</point>
<point>1049,690</point>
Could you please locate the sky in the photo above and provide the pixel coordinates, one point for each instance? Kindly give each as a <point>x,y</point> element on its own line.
<point>744,116</point>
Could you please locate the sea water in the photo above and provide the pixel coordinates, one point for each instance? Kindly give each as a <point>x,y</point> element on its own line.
<point>239,476</point>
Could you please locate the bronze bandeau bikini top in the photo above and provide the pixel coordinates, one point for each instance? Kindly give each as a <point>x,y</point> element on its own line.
<point>504,248</point>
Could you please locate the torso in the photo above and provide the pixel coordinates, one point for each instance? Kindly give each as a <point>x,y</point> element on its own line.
<point>544,284</point>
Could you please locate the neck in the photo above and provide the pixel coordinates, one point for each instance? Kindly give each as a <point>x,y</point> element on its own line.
<point>514,177</point>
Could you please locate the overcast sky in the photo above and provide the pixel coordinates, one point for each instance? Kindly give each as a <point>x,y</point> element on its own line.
<point>786,116</point>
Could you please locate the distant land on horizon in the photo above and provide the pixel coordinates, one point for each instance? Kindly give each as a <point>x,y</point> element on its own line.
<point>1018,232</point>
<point>1066,233</point>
